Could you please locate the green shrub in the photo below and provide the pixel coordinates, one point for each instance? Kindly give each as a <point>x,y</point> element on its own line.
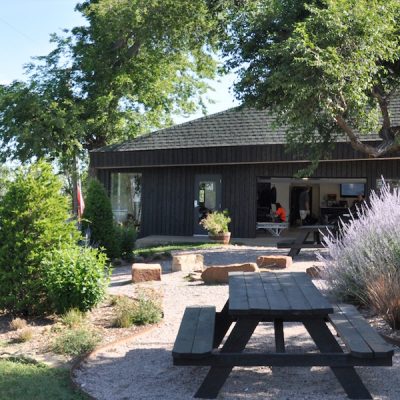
<point>33,221</point>
<point>126,237</point>
<point>76,342</point>
<point>98,217</point>
<point>75,278</point>
<point>139,311</point>
<point>216,222</point>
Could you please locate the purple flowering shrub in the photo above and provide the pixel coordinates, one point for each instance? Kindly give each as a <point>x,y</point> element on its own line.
<point>363,261</point>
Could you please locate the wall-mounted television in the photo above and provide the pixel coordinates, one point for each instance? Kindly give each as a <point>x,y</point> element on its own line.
<point>352,189</point>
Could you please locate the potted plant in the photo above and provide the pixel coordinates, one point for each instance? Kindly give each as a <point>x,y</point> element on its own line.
<point>216,223</point>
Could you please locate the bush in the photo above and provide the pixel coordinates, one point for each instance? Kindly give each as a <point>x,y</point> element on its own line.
<point>98,217</point>
<point>33,221</point>
<point>75,278</point>
<point>25,334</point>
<point>17,323</point>
<point>76,342</point>
<point>126,236</point>
<point>216,222</point>
<point>139,311</point>
<point>384,295</point>
<point>73,318</point>
<point>367,251</point>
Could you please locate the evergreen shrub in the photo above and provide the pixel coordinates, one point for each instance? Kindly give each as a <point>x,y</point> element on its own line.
<point>33,221</point>
<point>98,217</point>
<point>126,237</point>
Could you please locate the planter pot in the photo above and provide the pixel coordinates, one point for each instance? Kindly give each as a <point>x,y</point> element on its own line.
<point>222,238</point>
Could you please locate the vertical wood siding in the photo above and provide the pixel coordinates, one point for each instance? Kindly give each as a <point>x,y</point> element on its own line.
<point>168,192</point>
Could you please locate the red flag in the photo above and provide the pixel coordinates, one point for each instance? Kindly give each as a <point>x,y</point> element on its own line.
<point>81,203</point>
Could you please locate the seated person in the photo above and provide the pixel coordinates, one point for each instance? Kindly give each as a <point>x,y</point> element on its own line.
<point>280,213</point>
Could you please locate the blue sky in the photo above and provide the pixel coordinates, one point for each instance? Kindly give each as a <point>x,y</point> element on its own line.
<point>25,28</point>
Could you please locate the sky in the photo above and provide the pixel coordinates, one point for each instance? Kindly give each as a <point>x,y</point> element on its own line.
<point>25,28</point>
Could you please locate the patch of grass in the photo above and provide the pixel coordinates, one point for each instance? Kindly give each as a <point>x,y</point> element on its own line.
<point>75,342</point>
<point>26,381</point>
<point>17,323</point>
<point>141,311</point>
<point>25,334</point>
<point>148,252</point>
<point>73,318</point>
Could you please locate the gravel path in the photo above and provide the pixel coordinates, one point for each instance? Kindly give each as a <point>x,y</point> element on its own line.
<point>142,368</point>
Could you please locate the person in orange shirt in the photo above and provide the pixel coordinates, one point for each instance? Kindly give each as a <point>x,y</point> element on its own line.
<point>280,213</point>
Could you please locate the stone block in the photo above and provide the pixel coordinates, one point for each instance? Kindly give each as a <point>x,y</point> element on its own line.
<point>274,262</point>
<point>187,262</point>
<point>219,274</point>
<point>314,272</point>
<point>146,272</point>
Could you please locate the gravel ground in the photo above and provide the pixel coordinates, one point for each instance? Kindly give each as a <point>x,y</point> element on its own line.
<point>142,369</point>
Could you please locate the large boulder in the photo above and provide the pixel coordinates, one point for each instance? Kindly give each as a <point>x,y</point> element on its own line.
<point>274,262</point>
<point>187,262</point>
<point>219,274</point>
<point>146,272</point>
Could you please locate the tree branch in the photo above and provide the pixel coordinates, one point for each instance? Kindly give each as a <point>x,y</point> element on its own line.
<point>387,146</point>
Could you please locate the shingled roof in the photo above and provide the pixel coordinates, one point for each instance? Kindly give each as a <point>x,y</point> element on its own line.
<point>239,126</point>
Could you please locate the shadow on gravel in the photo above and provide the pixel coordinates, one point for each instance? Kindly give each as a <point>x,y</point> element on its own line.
<point>148,374</point>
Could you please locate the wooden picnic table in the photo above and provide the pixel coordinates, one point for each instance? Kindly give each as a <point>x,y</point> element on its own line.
<point>277,298</point>
<point>308,236</point>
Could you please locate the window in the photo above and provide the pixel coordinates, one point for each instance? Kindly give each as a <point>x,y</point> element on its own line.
<point>126,191</point>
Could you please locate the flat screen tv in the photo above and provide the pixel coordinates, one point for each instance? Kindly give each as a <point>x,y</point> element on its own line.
<point>352,189</point>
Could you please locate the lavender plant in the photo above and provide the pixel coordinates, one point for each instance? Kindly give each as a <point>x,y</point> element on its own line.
<point>367,250</point>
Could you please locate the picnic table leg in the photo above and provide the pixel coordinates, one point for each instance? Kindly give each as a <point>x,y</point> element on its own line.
<point>235,343</point>
<point>279,337</point>
<point>347,376</point>
<point>300,239</point>
<point>223,322</point>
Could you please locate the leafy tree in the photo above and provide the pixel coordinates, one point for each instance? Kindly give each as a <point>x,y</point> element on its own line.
<point>327,68</point>
<point>98,217</point>
<point>33,221</point>
<point>134,65</point>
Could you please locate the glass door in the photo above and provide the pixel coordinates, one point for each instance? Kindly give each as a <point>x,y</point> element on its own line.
<point>207,198</point>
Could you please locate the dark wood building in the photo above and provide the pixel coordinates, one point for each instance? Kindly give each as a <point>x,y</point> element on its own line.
<point>233,160</point>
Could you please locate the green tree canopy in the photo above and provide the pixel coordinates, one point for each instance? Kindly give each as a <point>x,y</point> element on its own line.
<point>134,65</point>
<point>326,67</point>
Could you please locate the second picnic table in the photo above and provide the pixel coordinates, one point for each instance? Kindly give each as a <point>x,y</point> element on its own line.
<point>307,237</point>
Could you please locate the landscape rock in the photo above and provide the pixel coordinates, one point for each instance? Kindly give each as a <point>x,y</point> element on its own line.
<point>219,274</point>
<point>274,262</point>
<point>314,272</point>
<point>146,272</point>
<point>187,262</point>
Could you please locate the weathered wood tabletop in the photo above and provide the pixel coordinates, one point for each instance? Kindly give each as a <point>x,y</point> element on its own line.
<point>276,295</point>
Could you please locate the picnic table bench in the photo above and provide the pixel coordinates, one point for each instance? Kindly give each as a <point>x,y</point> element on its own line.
<point>277,298</point>
<point>302,240</point>
<point>275,228</point>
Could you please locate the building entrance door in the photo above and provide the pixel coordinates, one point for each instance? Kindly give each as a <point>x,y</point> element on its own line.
<point>207,198</point>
